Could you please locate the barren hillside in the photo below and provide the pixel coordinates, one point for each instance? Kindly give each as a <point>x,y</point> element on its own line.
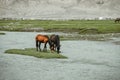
<point>59,9</point>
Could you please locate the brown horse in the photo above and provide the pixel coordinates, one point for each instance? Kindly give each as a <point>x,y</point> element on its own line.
<point>117,20</point>
<point>55,43</point>
<point>41,39</point>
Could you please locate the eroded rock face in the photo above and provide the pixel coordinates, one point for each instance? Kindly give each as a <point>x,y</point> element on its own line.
<point>59,9</point>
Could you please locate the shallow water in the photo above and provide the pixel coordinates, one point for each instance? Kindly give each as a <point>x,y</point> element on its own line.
<point>87,60</point>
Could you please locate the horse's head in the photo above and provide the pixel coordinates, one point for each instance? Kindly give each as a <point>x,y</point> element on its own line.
<point>52,46</point>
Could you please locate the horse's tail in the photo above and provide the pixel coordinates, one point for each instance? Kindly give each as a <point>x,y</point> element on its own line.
<point>36,43</point>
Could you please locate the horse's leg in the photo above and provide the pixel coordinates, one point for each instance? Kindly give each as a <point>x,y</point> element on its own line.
<point>39,46</point>
<point>45,47</point>
<point>58,49</point>
<point>55,47</point>
<point>116,21</point>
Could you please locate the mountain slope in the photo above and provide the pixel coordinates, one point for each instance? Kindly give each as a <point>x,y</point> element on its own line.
<point>59,9</point>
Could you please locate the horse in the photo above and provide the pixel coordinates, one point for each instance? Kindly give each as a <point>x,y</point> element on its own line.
<point>117,20</point>
<point>55,43</point>
<point>41,39</point>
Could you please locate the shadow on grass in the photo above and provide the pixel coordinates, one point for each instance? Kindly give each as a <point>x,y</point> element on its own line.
<point>33,52</point>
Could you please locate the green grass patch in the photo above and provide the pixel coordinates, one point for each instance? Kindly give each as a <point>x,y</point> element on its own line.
<point>33,52</point>
<point>101,26</point>
<point>2,33</point>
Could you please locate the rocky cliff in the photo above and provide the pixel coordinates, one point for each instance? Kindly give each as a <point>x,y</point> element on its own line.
<point>59,9</point>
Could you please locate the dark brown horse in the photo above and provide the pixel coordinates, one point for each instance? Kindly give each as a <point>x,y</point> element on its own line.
<point>55,43</point>
<point>41,39</point>
<point>117,20</point>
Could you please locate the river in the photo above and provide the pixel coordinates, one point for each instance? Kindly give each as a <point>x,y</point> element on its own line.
<point>87,60</point>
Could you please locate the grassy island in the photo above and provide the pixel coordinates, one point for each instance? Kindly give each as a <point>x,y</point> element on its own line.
<point>2,33</point>
<point>33,52</point>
